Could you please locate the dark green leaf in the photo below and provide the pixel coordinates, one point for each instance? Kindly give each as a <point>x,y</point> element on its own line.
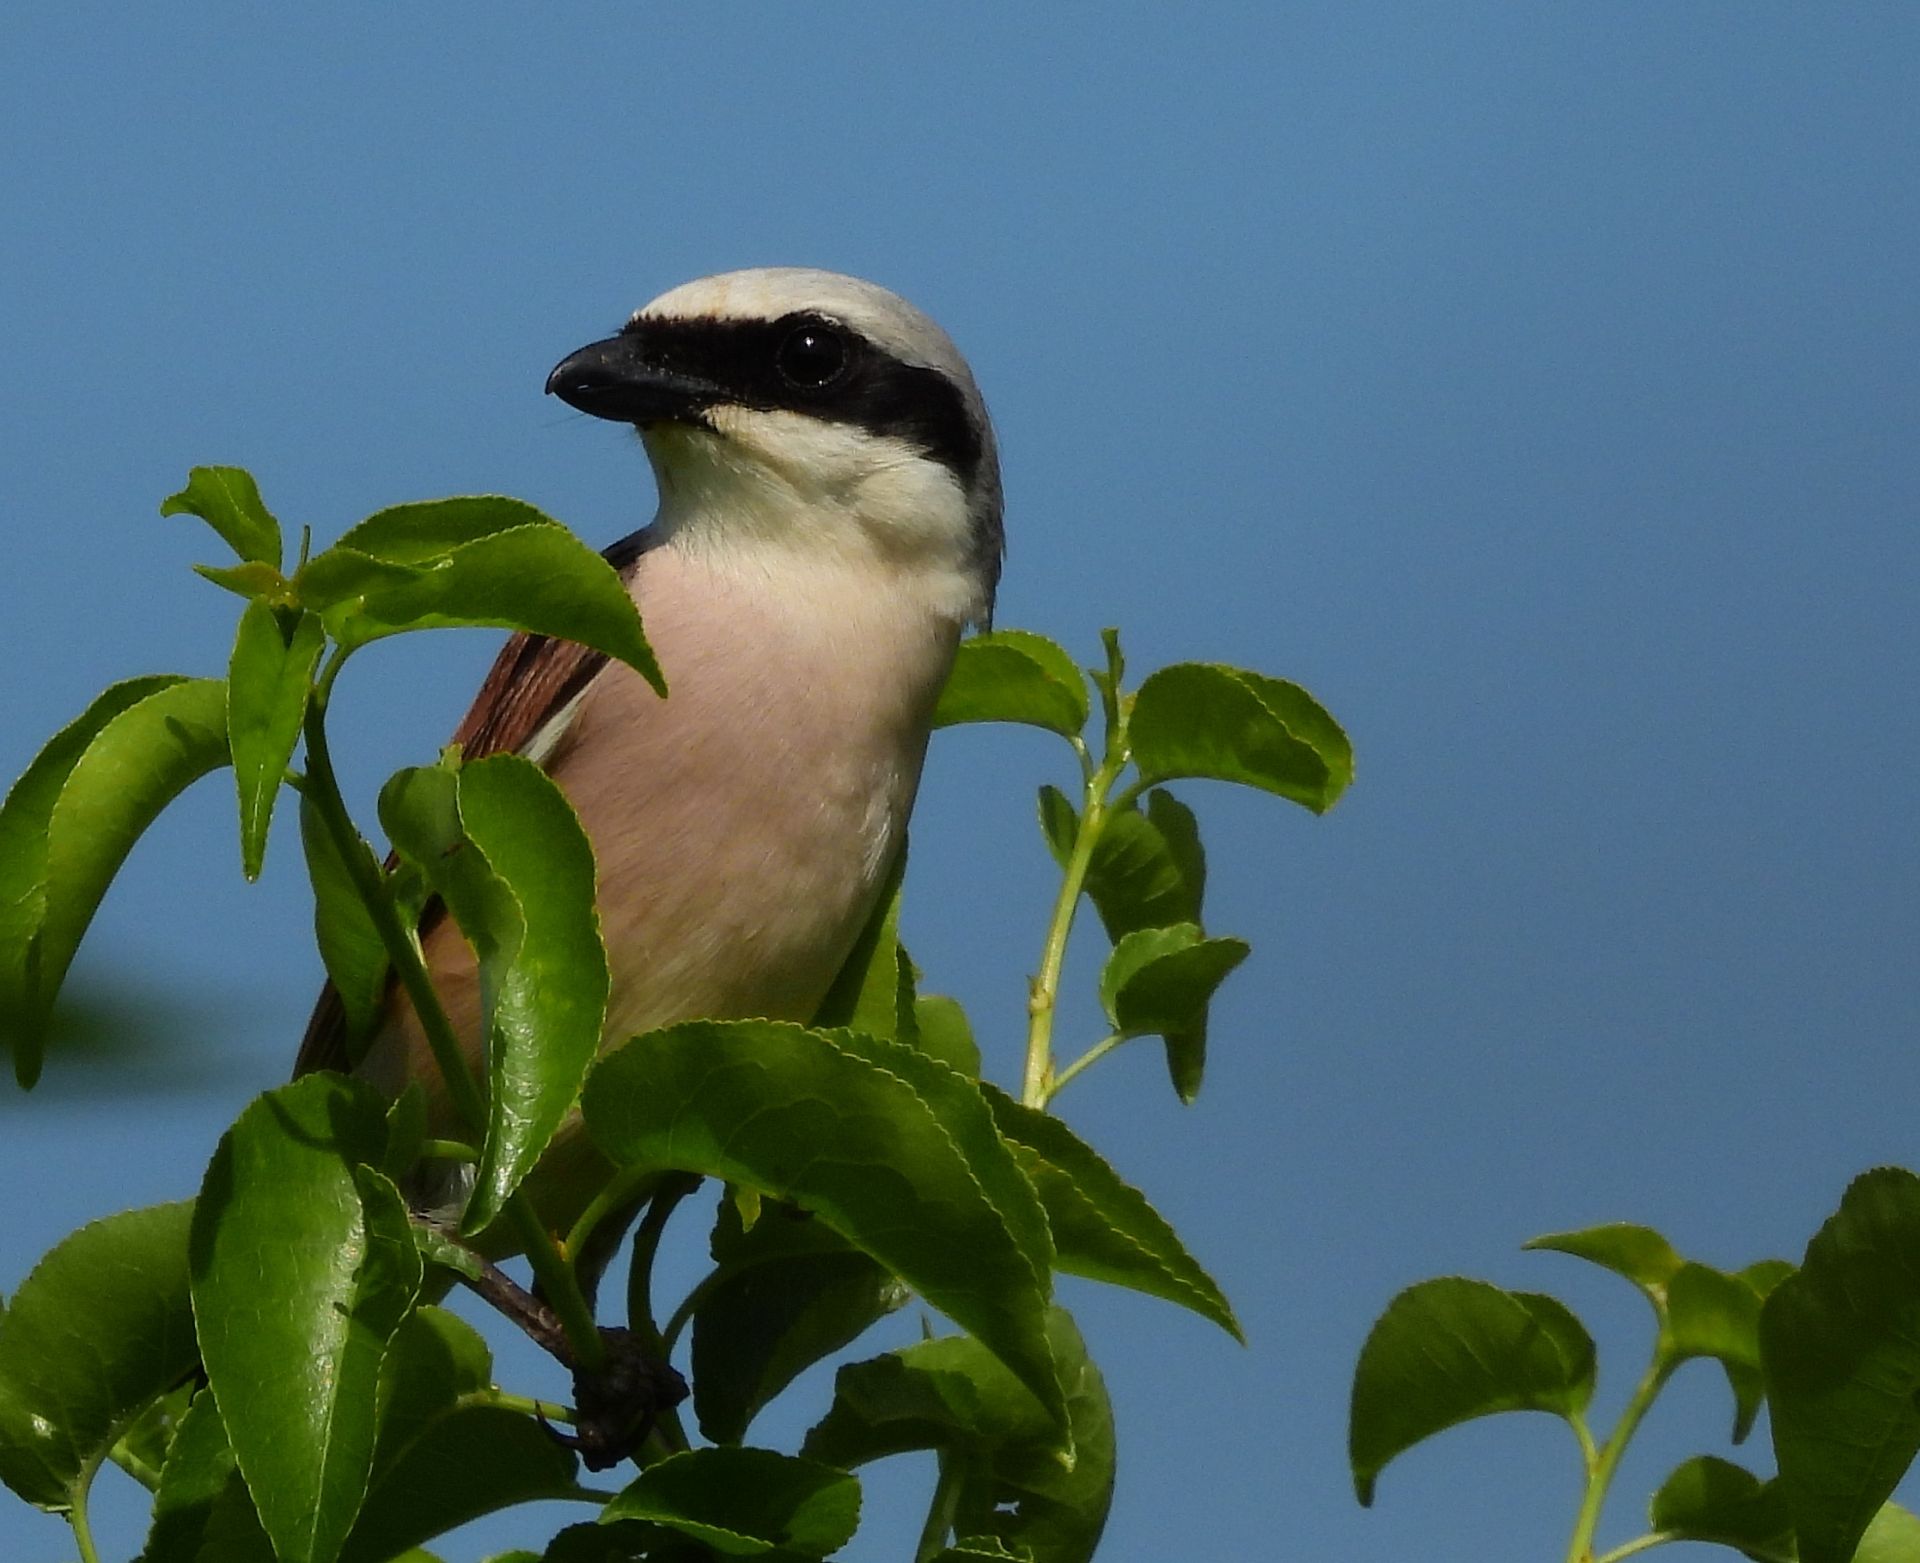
<point>70,821</point>
<point>350,945</point>
<point>474,1460</point>
<point>228,500</point>
<point>802,1116</point>
<point>1137,878</point>
<point>1025,1485</point>
<point>267,684</point>
<point>1014,676</point>
<point>866,993</point>
<point>1841,1344</point>
<point>784,1294</point>
<point>479,560</point>
<point>1639,1253</point>
<point>502,846</point>
<point>981,1549</point>
<point>1451,1349</point>
<point>1103,1227</point>
<point>1713,1500</point>
<point>100,1327</point>
<point>1059,823</point>
<point>945,1033</point>
<point>303,1268</point>
<point>1160,980</point>
<point>1205,719</point>
<point>198,1470</point>
<point>746,1502</point>
<point>441,1459</point>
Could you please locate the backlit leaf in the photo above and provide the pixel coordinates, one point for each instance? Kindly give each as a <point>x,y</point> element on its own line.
<point>1707,1499</point>
<point>1639,1253</point>
<point>228,500</point>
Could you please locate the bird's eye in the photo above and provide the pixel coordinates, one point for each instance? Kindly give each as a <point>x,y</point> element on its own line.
<point>812,356</point>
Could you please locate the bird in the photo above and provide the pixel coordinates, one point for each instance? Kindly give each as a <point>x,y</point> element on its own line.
<point>829,524</point>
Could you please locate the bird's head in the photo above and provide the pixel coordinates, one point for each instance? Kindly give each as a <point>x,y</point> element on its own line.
<point>807,410</point>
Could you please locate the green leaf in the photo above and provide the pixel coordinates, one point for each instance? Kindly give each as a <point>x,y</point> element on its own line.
<point>100,1327</point>
<point>1025,1484</point>
<point>267,685</point>
<point>980,1549</point>
<point>1206,719</point>
<point>1841,1345</point>
<point>1059,823</point>
<point>228,500</point>
<point>1639,1253</point>
<point>476,560</point>
<point>866,994</point>
<point>1147,870</point>
<point>1103,1227</point>
<point>783,1295</point>
<point>502,846</point>
<point>1712,1314</point>
<point>1893,1536</point>
<point>442,1459</point>
<point>248,580</point>
<point>945,1033</point>
<point>198,1470</point>
<point>70,821</point>
<point>1160,980</point>
<point>1452,1349</point>
<point>350,945</point>
<point>1014,676</point>
<point>808,1117</point>
<point>746,1502</point>
<point>1707,1499</point>
<point>303,1269</point>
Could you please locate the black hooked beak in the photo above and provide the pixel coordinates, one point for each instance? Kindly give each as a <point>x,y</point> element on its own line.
<point>612,379</point>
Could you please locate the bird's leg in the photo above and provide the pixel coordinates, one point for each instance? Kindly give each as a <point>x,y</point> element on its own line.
<point>616,1403</point>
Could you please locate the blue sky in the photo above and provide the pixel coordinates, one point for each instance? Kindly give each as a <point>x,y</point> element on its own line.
<point>1538,385</point>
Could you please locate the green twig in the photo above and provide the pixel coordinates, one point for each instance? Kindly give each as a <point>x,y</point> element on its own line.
<point>77,1494</point>
<point>646,1244</point>
<point>940,1513</point>
<point>1602,1464</point>
<point>1094,1054</point>
<point>1652,1539</point>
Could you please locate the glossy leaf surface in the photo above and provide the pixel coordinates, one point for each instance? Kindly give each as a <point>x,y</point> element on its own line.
<point>303,1268</point>
<point>101,1325</point>
<point>799,1116</point>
